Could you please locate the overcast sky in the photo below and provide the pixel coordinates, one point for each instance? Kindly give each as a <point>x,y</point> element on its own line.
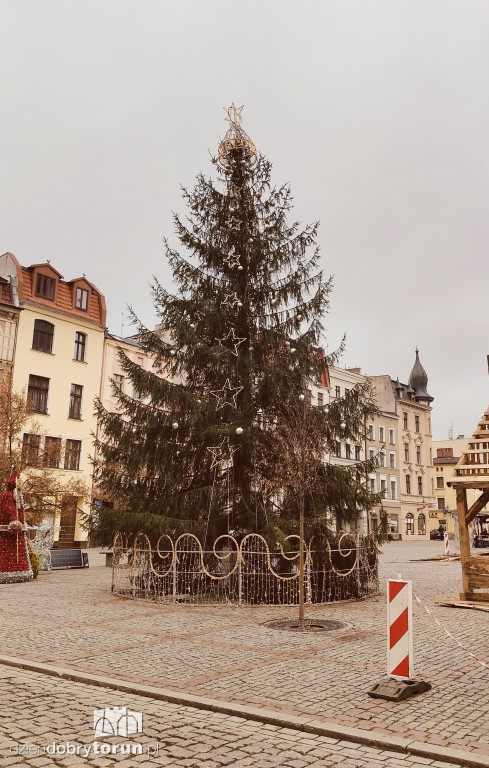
<point>376,112</point>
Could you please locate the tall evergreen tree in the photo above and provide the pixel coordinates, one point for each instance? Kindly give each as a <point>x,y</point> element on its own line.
<point>238,341</point>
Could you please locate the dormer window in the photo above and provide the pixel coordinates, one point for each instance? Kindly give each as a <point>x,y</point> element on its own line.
<point>45,287</point>
<point>81,299</point>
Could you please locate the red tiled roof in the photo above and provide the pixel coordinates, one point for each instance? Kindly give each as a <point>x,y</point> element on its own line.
<point>5,297</point>
<point>65,293</point>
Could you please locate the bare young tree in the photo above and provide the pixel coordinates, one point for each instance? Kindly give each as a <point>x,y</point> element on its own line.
<point>44,486</point>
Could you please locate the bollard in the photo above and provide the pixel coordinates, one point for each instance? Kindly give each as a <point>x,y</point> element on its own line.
<point>446,545</point>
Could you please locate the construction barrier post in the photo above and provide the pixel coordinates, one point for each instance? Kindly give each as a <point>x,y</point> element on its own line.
<point>400,686</point>
<point>400,631</point>
<point>446,545</point>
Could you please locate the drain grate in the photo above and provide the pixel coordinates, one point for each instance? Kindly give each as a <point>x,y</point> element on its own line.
<point>310,625</point>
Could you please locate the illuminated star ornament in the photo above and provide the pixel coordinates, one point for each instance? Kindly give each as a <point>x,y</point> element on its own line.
<point>231,299</point>
<point>222,454</point>
<point>233,224</point>
<point>224,395</point>
<point>232,259</point>
<point>233,339</point>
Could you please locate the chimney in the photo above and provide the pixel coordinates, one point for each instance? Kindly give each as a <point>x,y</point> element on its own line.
<point>444,453</point>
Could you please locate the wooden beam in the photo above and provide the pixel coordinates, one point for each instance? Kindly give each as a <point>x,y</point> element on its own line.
<point>464,539</point>
<point>478,504</point>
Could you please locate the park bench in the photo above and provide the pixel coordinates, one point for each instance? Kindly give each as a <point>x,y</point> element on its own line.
<point>108,557</point>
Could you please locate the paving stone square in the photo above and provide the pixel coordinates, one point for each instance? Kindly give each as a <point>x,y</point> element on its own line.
<point>70,618</point>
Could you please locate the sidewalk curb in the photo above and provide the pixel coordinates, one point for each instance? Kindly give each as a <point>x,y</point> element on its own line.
<point>296,722</point>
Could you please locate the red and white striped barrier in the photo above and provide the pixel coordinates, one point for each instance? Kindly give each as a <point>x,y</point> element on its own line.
<point>446,545</point>
<point>400,634</point>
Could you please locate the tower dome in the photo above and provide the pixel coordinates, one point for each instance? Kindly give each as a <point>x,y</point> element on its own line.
<point>418,380</point>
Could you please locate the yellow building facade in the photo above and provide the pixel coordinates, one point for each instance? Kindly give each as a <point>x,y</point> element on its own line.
<point>446,456</point>
<point>58,363</point>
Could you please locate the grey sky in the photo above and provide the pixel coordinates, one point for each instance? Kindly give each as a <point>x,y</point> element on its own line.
<point>376,111</point>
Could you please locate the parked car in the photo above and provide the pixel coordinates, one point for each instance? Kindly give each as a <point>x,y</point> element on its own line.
<point>437,533</point>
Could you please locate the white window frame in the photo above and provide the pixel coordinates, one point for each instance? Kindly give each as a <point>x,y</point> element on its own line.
<point>393,481</point>
<point>392,464</point>
<point>392,435</point>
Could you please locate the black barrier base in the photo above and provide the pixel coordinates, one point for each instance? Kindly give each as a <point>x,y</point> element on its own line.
<point>398,690</point>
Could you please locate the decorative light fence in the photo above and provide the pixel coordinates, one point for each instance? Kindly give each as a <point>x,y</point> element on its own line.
<point>246,572</point>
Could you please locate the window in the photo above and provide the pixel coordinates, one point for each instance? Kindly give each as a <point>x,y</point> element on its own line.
<point>381,434</point>
<point>440,482</point>
<point>409,524</point>
<point>76,394</point>
<point>72,454</point>
<point>418,454</point>
<point>406,451</point>
<point>52,452</point>
<point>404,420</point>
<point>348,451</point>
<point>80,346</point>
<point>421,524</point>
<point>42,339</point>
<point>357,453</point>
<point>420,486</point>
<point>408,484</point>
<point>382,459</point>
<point>37,394</point>
<point>45,287</point>
<point>371,454</point>
<point>393,489</point>
<point>320,398</point>
<point>441,503</point>
<point>7,340</point>
<point>383,487</point>
<point>416,423</point>
<point>391,437</point>
<point>370,432</point>
<point>117,382</point>
<point>392,459</point>
<point>337,392</point>
<point>372,485</point>
<point>337,449</point>
<point>30,449</point>
<point>81,300</point>
<point>347,392</point>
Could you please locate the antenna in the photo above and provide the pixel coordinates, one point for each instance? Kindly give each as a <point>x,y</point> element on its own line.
<point>450,431</point>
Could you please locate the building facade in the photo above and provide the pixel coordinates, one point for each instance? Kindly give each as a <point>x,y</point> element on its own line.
<point>446,456</point>
<point>411,403</point>
<point>58,362</point>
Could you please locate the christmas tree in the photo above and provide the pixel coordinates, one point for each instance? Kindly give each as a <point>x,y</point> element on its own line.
<point>238,344</point>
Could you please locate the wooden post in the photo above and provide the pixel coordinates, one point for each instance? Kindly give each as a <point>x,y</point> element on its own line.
<point>464,538</point>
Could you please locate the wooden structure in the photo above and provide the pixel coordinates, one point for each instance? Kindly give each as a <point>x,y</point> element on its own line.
<point>472,471</point>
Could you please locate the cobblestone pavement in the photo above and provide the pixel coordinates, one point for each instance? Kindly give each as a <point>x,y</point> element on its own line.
<point>69,618</point>
<point>48,717</point>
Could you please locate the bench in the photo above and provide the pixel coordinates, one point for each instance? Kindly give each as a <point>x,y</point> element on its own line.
<point>108,557</point>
